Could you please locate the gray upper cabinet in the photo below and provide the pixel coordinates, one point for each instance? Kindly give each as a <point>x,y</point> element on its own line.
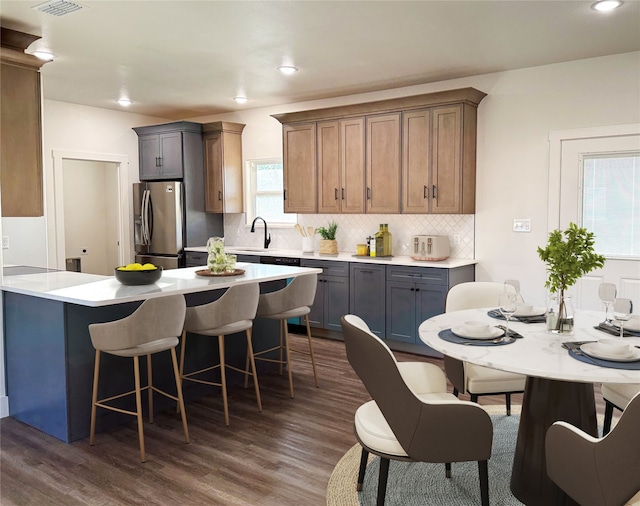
<point>167,151</point>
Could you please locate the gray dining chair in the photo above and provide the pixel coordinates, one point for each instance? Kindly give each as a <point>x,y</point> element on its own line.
<point>474,379</point>
<point>411,417</point>
<point>597,471</point>
<point>150,329</point>
<point>292,301</point>
<point>232,313</point>
<point>616,395</point>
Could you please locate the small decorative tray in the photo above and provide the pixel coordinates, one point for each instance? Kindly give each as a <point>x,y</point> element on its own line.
<point>207,272</point>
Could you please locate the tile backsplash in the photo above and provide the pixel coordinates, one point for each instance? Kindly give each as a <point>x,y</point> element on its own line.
<point>355,228</point>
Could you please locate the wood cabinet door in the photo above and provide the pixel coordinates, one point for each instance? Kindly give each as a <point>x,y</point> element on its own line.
<point>299,164</point>
<point>213,189</point>
<point>328,167</point>
<point>446,162</point>
<point>352,166</point>
<point>416,161</point>
<point>383,164</point>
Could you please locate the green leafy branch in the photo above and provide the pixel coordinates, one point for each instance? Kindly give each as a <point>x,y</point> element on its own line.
<point>329,232</point>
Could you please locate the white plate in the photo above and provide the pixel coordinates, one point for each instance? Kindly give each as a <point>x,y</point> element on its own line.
<point>534,311</point>
<point>595,351</point>
<point>632,324</point>
<point>493,332</point>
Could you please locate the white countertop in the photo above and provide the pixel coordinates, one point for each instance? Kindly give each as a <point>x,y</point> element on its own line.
<point>342,257</point>
<point>538,354</point>
<point>93,290</point>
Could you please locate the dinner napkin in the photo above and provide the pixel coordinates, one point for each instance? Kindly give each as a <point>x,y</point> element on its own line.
<point>574,352</point>
<point>448,335</point>
<point>495,313</point>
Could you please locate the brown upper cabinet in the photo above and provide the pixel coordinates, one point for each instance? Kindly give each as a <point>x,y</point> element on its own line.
<point>223,167</point>
<point>20,127</point>
<point>407,155</point>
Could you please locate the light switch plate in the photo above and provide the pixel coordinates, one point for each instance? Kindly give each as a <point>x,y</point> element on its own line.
<point>522,225</point>
<point>5,242</point>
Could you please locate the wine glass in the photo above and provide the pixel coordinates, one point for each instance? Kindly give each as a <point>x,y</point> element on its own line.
<point>508,303</point>
<point>514,283</point>
<point>622,309</point>
<point>607,293</point>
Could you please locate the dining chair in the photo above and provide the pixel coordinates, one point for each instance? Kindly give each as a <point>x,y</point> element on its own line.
<point>597,471</point>
<point>292,301</point>
<point>616,395</point>
<point>232,313</point>
<point>474,379</point>
<point>152,328</point>
<point>411,417</point>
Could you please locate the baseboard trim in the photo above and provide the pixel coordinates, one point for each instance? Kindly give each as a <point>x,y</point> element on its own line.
<point>4,406</point>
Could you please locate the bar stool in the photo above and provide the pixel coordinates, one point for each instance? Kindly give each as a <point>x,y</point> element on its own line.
<point>152,328</point>
<point>231,313</point>
<point>290,302</point>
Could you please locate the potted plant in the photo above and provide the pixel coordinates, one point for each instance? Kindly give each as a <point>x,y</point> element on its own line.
<point>569,255</point>
<point>328,243</point>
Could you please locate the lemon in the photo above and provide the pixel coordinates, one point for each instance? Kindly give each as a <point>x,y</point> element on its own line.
<point>133,267</point>
<point>148,267</point>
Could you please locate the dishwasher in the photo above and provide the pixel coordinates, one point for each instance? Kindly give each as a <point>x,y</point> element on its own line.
<point>293,262</point>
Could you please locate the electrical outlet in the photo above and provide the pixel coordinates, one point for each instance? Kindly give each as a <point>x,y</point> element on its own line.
<point>5,242</point>
<point>456,239</point>
<point>84,251</point>
<point>522,225</point>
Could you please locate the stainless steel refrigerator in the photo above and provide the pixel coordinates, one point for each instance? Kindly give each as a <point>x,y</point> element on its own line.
<point>159,219</point>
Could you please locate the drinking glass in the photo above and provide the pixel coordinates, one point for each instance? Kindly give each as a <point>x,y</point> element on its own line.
<point>607,293</point>
<point>622,309</point>
<point>508,303</point>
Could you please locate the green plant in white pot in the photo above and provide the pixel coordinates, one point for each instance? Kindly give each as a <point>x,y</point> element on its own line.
<point>569,255</point>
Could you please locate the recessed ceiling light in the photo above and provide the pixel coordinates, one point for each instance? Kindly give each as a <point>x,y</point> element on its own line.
<point>125,102</point>
<point>43,55</point>
<point>288,69</point>
<point>240,100</point>
<point>606,5</point>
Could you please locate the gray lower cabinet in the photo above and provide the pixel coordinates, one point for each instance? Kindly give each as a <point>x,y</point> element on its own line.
<point>367,295</point>
<point>195,258</point>
<point>332,294</point>
<point>415,294</point>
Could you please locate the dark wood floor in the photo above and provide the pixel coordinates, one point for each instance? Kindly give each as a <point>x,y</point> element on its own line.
<point>282,456</point>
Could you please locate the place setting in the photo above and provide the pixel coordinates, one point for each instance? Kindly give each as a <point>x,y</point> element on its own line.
<point>606,352</point>
<point>618,318</point>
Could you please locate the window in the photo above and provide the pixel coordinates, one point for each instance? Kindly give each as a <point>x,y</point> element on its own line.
<point>611,202</point>
<point>265,195</point>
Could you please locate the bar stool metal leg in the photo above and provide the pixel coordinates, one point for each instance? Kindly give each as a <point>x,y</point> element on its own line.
<point>136,369</point>
<point>150,387</point>
<point>183,414</point>
<point>223,380</point>
<point>94,398</point>
<point>313,360</point>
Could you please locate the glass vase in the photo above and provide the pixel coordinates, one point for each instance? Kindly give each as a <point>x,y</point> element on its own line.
<point>217,259</point>
<point>560,314</point>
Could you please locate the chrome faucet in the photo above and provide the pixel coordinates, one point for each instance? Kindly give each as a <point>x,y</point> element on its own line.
<point>267,239</point>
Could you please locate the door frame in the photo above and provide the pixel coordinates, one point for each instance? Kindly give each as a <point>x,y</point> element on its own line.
<point>55,223</point>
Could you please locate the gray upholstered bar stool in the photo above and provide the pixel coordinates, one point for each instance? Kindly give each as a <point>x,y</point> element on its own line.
<point>290,302</point>
<point>231,313</point>
<point>152,328</point>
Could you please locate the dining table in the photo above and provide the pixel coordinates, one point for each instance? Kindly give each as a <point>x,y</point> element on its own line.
<point>559,384</point>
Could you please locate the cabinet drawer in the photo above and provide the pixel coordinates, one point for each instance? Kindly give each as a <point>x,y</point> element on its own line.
<point>195,258</point>
<point>329,268</point>
<point>431,275</point>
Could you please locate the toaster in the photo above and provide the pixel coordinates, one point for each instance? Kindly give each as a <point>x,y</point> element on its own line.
<point>430,247</point>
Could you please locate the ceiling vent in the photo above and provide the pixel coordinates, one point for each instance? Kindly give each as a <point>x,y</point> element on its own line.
<point>58,7</point>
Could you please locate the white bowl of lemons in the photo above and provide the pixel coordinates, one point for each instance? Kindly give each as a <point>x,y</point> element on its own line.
<point>138,274</point>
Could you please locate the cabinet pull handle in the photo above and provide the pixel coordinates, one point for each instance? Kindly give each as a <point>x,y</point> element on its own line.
<point>219,195</point>
<point>335,193</point>
<point>412,289</point>
<point>366,272</point>
<point>434,195</point>
<point>157,161</point>
<point>368,193</point>
<point>343,194</point>
<point>417,289</point>
<point>424,192</point>
<point>284,194</point>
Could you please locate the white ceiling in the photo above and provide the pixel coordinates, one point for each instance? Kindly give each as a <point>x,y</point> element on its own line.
<point>184,59</point>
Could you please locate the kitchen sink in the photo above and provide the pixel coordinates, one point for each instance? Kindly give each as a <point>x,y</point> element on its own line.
<point>250,248</point>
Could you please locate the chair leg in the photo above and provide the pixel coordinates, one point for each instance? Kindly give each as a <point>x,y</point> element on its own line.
<point>150,390</point>
<point>183,345</point>
<point>136,372</point>
<point>288,353</point>
<point>282,324</point>
<point>447,469</point>
<point>483,471</point>
<point>223,380</point>
<point>253,369</point>
<point>382,481</point>
<point>455,391</point>
<point>507,398</point>
<point>246,369</point>
<point>364,457</point>
<point>474,398</point>
<point>313,360</point>
<point>183,413</point>
<point>608,415</point>
<point>94,398</point>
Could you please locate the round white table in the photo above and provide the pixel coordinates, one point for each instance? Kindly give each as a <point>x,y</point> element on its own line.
<point>558,386</point>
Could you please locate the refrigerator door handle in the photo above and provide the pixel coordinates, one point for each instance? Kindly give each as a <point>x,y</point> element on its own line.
<point>144,214</point>
<point>149,219</point>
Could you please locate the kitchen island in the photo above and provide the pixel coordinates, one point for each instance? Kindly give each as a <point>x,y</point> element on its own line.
<point>48,350</point>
